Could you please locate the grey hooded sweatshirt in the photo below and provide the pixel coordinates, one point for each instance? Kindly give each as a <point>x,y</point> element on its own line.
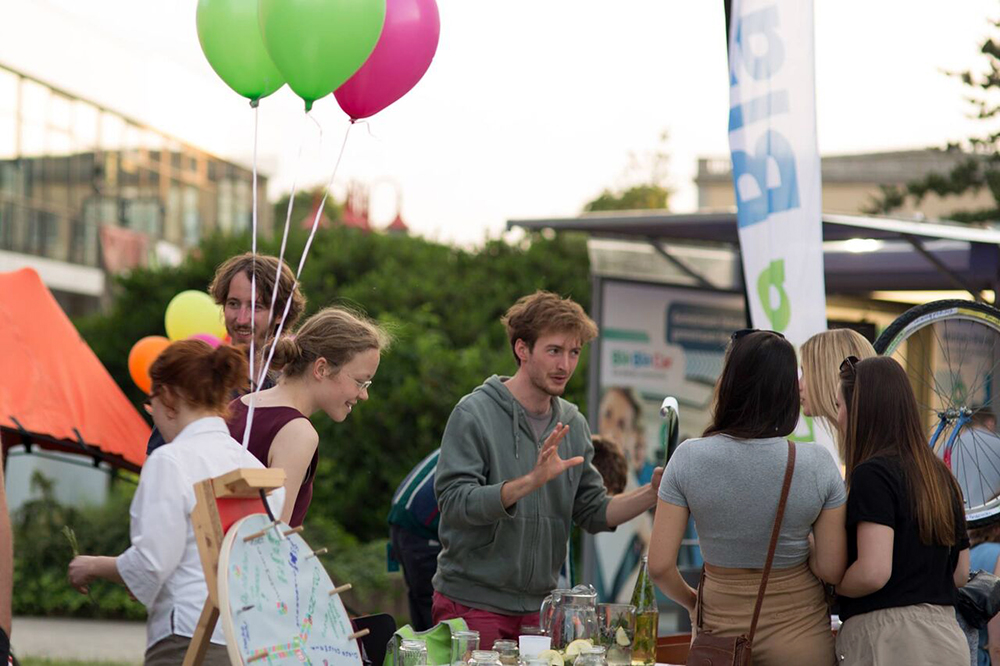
<point>508,560</point>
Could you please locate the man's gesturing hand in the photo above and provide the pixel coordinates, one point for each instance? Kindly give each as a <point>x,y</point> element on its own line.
<point>549,464</point>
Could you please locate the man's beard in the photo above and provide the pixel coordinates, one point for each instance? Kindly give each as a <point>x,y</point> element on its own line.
<point>551,392</point>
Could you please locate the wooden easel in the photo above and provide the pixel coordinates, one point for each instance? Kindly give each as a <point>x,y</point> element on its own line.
<point>219,503</point>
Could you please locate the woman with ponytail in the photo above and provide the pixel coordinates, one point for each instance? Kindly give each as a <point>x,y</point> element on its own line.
<point>191,387</point>
<point>907,545</point>
<point>326,366</point>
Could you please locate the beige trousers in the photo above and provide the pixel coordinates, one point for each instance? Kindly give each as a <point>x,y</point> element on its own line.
<point>794,624</point>
<point>919,635</point>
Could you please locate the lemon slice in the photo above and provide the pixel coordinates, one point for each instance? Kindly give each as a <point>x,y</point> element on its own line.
<point>551,656</point>
<point>576,647</point>
<point>622,638</point>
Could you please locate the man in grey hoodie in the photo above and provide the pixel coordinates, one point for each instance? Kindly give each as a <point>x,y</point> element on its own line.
<point>515,471</point>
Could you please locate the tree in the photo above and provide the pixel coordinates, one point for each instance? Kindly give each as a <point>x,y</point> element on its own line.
<point>444,304</point>
<point>647,175</point>
<point>982,166</point>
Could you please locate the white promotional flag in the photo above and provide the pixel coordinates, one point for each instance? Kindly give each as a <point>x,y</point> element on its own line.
<point>776,170</point>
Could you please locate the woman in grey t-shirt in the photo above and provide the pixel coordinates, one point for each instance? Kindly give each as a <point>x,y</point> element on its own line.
<point>730,481</point>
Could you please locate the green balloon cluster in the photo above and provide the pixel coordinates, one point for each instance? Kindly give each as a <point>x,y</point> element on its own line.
<point>256,46</point>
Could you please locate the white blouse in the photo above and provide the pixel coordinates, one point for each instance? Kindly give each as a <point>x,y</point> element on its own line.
<point>162,568</point>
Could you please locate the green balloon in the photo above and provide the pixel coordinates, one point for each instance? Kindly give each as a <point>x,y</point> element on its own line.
<point>229,33</point>
<point>319,44</point>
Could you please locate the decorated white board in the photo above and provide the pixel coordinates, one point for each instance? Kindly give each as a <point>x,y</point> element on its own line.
<point>275,600</point>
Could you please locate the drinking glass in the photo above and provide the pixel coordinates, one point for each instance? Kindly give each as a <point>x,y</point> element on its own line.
<point>617,632</point>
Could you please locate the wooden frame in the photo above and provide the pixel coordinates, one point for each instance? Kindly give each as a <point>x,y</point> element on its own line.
<point>219,503</point>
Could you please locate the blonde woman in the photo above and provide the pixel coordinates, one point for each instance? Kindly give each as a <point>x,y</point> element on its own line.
<point>326,366</point>
<point>821,356</point>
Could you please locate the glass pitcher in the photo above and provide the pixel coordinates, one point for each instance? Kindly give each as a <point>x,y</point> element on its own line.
<point>568,615</point>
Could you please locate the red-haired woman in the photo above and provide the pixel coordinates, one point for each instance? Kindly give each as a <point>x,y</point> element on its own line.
<point>162,569</point>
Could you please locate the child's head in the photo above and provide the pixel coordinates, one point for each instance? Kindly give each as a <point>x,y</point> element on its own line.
<point>610,462</point>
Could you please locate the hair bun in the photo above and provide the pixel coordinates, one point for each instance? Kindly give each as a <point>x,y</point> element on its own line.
<point>286,352</point>
<point>228,366</point>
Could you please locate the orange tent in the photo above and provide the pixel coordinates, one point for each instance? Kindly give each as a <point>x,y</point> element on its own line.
<point>55,393</point>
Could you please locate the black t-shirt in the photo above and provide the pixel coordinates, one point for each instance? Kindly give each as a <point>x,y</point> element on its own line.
<point>921,574</point>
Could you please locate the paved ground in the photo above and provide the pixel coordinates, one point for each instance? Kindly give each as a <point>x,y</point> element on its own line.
<point>59,638</point>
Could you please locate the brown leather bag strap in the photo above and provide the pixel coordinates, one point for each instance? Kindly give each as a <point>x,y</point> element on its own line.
<point>701,586</point>
<point>775,531</point>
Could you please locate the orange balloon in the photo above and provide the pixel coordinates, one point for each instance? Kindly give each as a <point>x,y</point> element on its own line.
<point>141,358</point>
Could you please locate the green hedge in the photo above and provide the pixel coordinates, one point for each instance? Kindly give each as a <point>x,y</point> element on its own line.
<point>42,554</point>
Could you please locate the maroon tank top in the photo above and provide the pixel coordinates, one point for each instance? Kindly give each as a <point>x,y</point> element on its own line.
<point>267,421</point>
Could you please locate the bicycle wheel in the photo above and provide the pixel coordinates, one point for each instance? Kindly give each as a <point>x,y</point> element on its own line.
<point>951,352</point>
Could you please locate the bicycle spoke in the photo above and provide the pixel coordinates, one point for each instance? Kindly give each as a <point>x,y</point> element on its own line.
<point>974,387</point>
<point>933,389</point>
<point>989,454</point>
<point>944,353</point>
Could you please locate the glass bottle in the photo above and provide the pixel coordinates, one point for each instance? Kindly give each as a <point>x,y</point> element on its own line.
<point>647,618</point>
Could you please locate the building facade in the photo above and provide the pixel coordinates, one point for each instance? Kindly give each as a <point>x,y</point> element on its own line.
<point>851,182</point>
<point>86,192</point>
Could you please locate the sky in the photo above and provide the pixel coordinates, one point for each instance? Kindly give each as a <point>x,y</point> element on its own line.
<point>529,109</point>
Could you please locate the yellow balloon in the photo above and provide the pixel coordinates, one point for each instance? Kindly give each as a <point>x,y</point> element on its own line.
<point>191,312</point>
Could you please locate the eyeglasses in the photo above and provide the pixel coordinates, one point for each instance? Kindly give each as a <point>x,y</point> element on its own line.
<point>743,332</point>
<point>362,385</point>
<point>850,364</point>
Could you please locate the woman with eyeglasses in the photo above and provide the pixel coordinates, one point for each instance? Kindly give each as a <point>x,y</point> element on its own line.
<point>821,356</point>
<point>730,481</point>
<point>908,549</point>
<point>326,366</point>
<point>162,569</point>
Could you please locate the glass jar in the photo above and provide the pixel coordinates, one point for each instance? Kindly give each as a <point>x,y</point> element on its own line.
<point>507,651</point>
<point>592,656</point>
<point>617,632</point>
<point>412,652</point>
<point>485,658</point>
<point>463,644</point>
<point>534,661</point>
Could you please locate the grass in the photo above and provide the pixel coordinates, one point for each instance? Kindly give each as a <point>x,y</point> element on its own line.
<point>38,661</point>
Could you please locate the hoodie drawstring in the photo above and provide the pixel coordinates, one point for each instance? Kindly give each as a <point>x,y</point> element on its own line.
<point>516,425</point>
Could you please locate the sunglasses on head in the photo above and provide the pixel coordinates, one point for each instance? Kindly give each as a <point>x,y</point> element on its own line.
<point>850,364</point>
<point>743,332</point>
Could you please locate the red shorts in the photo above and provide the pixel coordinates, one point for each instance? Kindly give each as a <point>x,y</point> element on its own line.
<point>490,625</point>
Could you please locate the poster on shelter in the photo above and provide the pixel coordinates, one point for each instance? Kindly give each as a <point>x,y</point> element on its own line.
<point>656,340</point>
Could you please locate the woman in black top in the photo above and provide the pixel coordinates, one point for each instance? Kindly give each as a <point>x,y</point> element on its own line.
<point>907,546</point>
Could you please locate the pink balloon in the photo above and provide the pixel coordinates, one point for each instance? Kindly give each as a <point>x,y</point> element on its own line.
<point>401,57</point>
<point>207,337</point>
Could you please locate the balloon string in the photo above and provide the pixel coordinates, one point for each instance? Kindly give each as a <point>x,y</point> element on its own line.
<point>284,237</point>
<point>256,385</point>
<point>305,250</point>
<point>253,280</point>
<point>368,126</point>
